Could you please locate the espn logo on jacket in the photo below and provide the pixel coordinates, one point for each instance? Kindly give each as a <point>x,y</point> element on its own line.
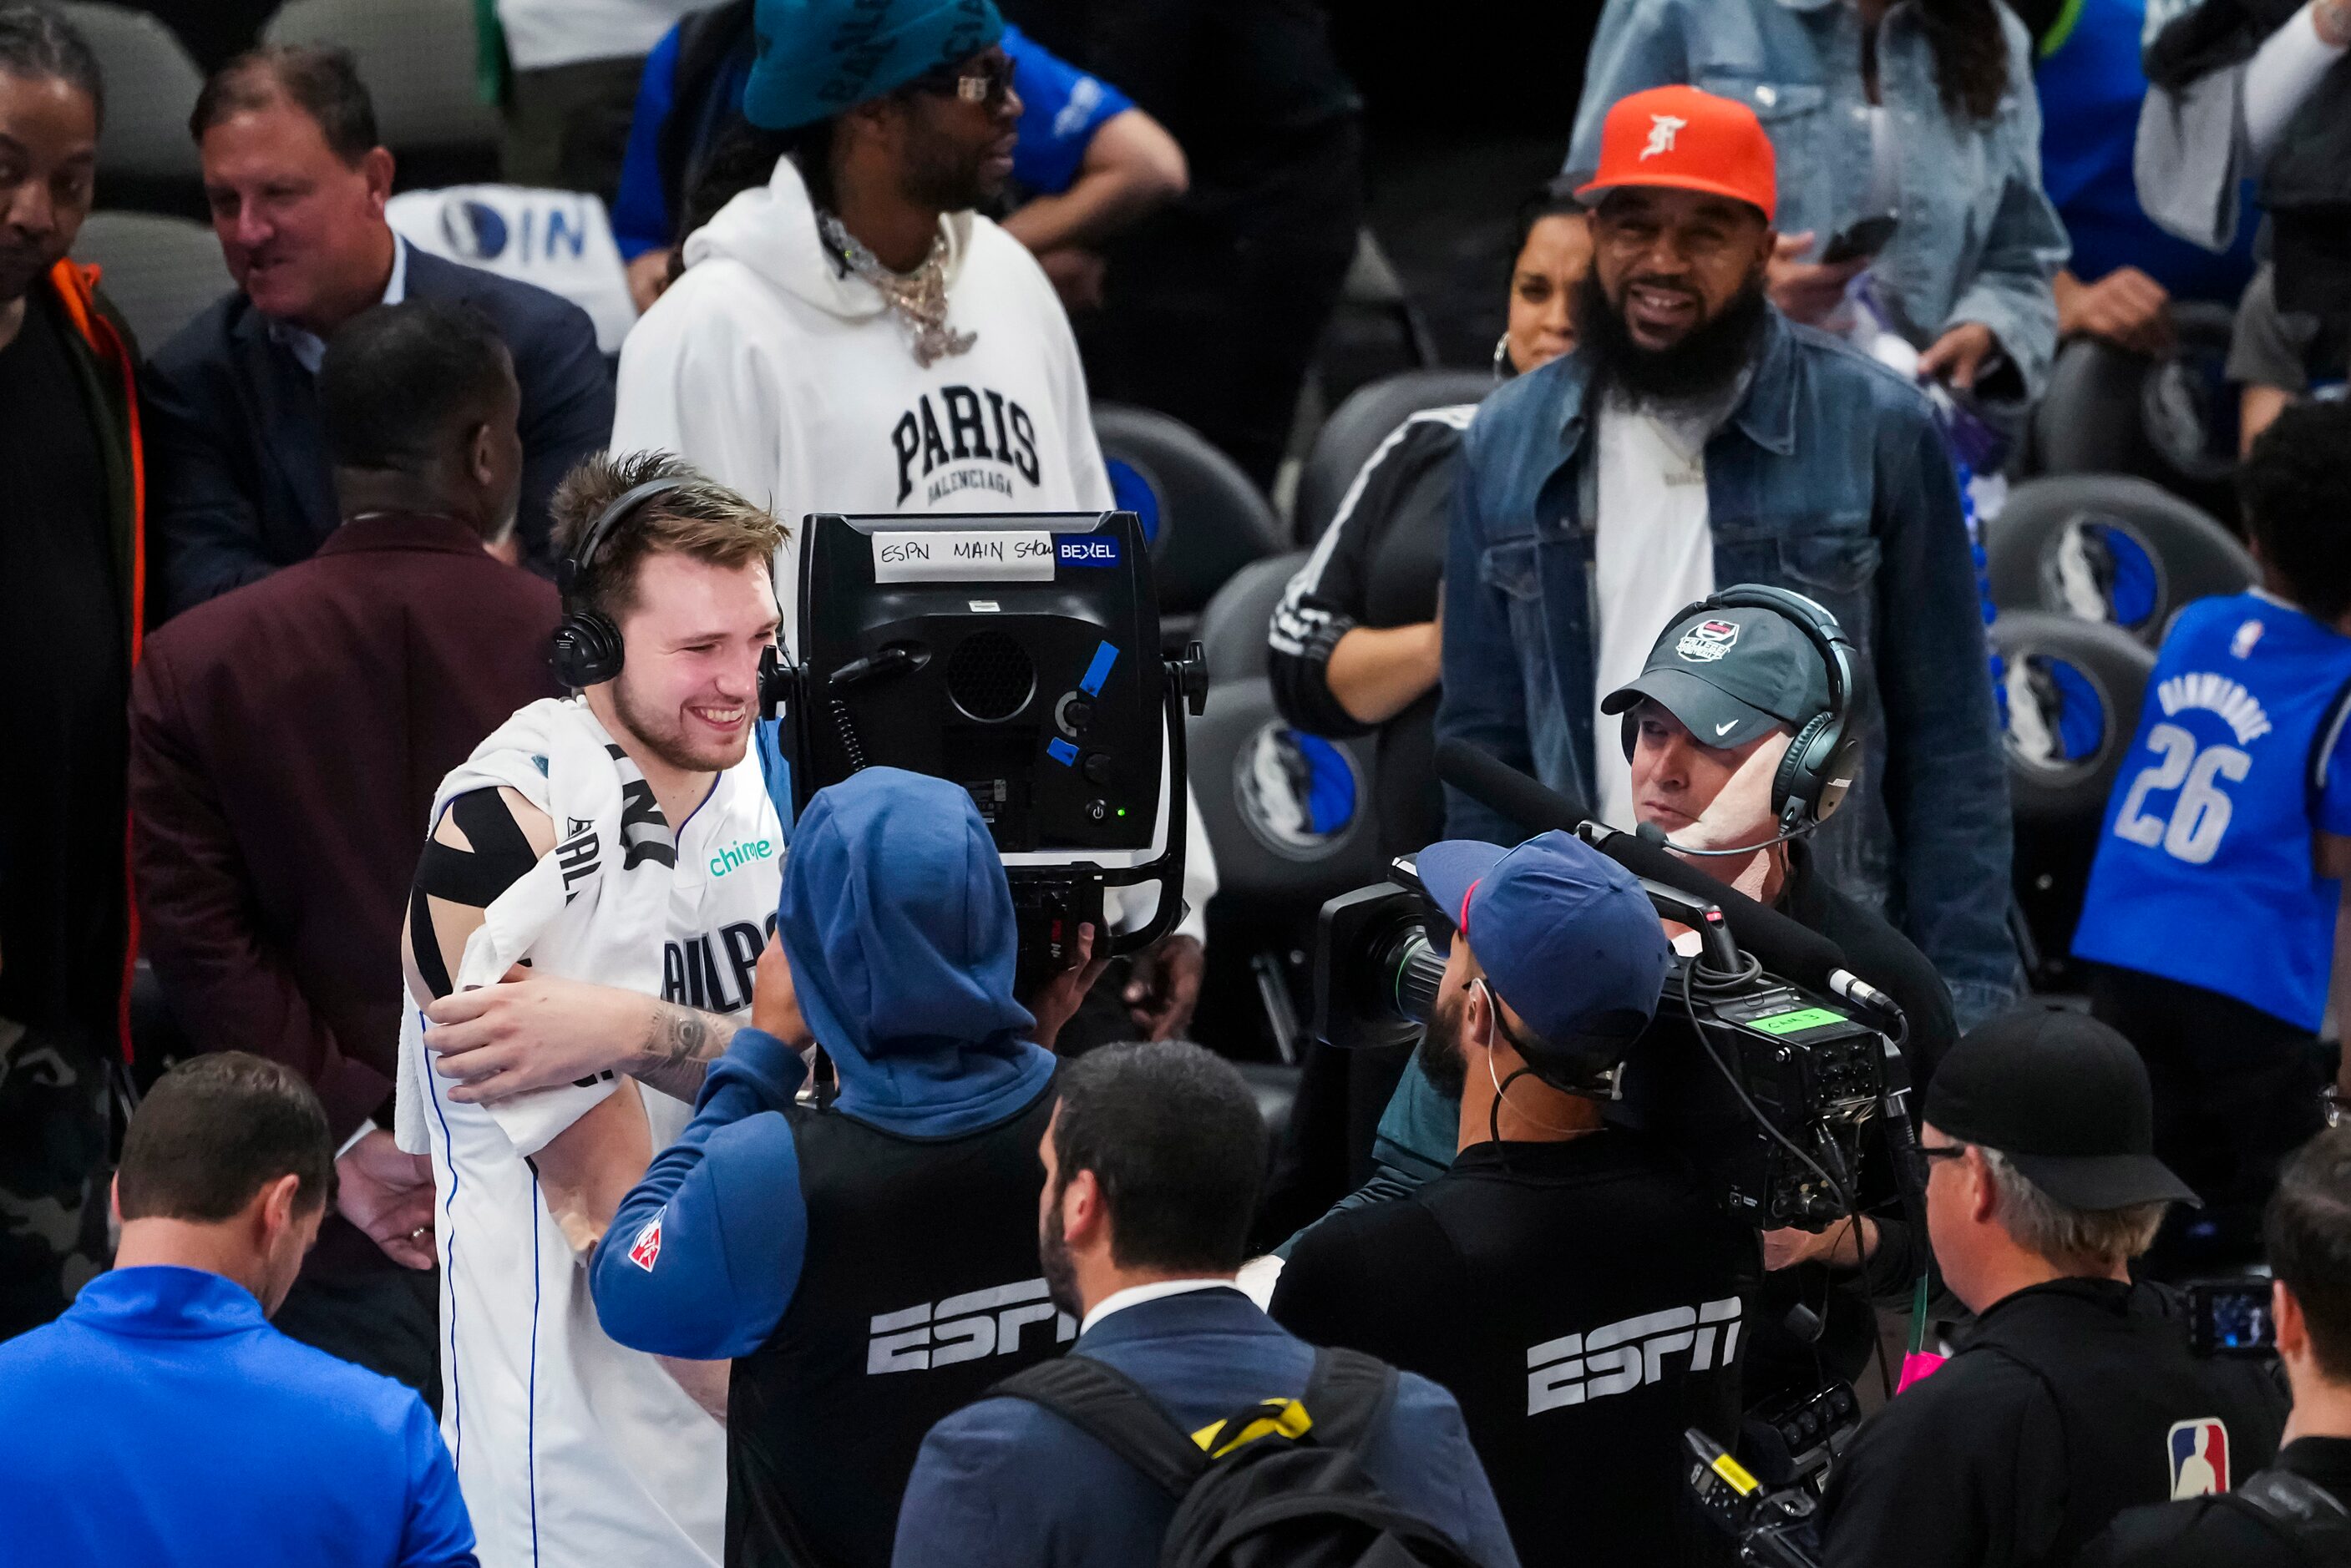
<point>1618,1357</point>
<point>962,1328</point>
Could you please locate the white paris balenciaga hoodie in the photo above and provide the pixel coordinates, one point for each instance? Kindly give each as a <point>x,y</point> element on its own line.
<point>782,376</point>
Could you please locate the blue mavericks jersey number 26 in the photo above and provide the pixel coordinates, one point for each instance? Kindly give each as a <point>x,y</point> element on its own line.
<point>2204,873</point>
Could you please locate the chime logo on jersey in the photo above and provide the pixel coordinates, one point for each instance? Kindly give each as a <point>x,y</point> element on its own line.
<point>1708,640</point>
<point>645,1251</point>
<point>987,433</point>
<point>714,972</point>
<point>2199,1458</point>
<point>966,1327</point>
<point>1618,1357</point>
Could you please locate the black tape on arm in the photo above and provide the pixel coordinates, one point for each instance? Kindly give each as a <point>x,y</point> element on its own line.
<point>501,856</point>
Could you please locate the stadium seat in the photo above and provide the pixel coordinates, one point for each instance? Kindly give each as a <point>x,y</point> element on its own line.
<point>417,59</point>
<point>2172,421</point>
<point>1288,816</point>
<point>1206,521</point>
<point>1357,427</point>
<point>2111,548</point>
<point>1232,629</point>
<point>2069,694</point>
<point>151,85</point>
<point>160,272</point>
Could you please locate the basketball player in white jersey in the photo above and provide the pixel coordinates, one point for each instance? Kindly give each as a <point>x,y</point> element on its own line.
<point>616,856</point>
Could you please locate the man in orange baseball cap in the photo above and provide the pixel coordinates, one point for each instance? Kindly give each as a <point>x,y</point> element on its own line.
<point>1697,437</point>
<point>1680,137</point>
<point>1681,230</point>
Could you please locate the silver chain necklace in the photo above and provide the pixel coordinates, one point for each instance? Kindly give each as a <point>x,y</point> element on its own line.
<point>917,298</point>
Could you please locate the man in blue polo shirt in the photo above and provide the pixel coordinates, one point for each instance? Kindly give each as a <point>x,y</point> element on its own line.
<point>2213,901</point>
<point>162,1421</point>
<point>1086,165</point>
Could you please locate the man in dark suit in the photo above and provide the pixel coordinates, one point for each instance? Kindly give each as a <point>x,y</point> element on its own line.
<point>285,742</point>
<point>1153,1162</point>
<point>296,185</point>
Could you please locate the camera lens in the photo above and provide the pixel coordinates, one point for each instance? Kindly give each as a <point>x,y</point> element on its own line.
<point>1404,973</point>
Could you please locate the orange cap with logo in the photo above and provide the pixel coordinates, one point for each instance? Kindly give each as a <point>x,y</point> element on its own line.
<point>1689,140</point>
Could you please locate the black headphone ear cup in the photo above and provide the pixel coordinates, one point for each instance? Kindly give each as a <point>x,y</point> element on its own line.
<point>1632,730</point>
<point>1796,784</point>
<point>1838,773</point>
<point>588,649</point>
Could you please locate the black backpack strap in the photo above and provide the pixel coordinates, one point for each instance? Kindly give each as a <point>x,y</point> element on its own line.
<point>1348,1396</point>
<point>1110,1407</point>
<point>2314,1519</point>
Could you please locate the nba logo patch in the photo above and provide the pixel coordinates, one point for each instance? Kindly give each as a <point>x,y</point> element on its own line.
<point>645,1251</point>
<point>1708,640</point>
<point>2199,1458</point>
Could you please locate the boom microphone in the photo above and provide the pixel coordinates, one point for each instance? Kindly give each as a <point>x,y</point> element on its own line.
<point>1785,947</point>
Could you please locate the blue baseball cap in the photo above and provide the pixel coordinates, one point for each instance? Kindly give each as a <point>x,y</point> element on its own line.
<point>1566,936</point>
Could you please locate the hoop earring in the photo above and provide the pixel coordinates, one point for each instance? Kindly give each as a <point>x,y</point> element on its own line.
<point>1503,369</point>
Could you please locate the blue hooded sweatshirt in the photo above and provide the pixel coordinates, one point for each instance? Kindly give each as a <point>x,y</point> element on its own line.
<point>897,922</point>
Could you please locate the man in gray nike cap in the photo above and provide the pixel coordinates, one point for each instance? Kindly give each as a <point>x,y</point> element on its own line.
<point>1722,699</point>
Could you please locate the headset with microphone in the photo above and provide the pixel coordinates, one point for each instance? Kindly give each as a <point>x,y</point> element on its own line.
<point>587,649</point>
<point>1825,757</point>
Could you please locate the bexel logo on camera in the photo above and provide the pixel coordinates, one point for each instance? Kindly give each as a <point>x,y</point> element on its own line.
<point>1618,1357</point>
<point>1087,550</point>
<point>1708,640</point>
<point>966,1327</point>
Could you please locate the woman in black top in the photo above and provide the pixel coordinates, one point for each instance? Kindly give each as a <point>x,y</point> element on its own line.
<point>1354,641</point>
<point>1354,652</point>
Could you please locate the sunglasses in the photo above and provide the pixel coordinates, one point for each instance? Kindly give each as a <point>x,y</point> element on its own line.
<point>985,81</point>
<point>1941,1151</point>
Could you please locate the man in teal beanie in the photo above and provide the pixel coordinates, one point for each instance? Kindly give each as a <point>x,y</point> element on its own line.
<point>818,57</point>
<point>852,334</point>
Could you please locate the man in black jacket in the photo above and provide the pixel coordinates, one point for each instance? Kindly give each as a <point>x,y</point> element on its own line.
<point>71,574</point>
<point>2298,1511</point>
<point>297,182</point>
<point>2075,1395</point>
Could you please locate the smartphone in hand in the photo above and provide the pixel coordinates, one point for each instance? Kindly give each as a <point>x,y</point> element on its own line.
<point>1863,240</point>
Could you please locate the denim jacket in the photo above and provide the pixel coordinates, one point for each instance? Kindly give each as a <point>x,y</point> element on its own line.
<point>1828,478</point>
<point>1975,238</point>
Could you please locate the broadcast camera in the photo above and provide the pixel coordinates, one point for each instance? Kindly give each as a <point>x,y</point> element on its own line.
<point>1767,1058</point>
<point>1016,654</point>
<point>1768,1084</point>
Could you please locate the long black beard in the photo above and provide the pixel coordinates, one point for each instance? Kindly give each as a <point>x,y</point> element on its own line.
<point>1705,362</point>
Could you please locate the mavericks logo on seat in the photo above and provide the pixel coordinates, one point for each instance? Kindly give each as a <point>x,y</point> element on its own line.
<point>966,1327</point>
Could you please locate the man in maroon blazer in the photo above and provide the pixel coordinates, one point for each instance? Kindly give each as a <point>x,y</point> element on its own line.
<point>286,742</point>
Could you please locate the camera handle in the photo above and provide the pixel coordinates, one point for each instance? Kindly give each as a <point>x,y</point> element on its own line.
<point>1186,691</point>
<point>1718,953</point>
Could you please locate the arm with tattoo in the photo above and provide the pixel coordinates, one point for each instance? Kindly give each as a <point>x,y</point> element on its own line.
<point>679,1050</point>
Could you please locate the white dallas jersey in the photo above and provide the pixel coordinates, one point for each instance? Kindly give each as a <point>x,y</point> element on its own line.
<point>574,1451</point>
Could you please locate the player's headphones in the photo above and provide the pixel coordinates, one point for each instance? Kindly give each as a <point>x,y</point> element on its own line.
<point>587,649</point>
<point>1824,759</point>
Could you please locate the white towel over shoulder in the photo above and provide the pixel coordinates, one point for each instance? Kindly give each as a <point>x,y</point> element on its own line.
<point>597,909</point>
